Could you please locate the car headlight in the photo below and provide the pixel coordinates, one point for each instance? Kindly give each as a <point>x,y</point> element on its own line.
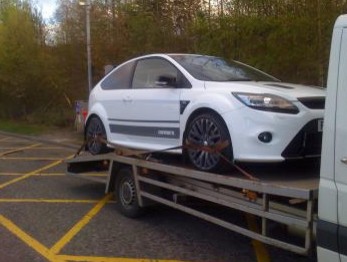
<point>267,102</point>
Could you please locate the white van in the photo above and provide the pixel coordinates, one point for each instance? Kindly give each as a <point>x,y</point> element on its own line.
<point>332,203</point>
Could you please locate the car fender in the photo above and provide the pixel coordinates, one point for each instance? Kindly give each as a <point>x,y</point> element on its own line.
<point>219,103</point>
<point>98,110</point>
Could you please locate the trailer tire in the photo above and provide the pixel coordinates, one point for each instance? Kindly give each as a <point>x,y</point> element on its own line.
<point>125,194</point>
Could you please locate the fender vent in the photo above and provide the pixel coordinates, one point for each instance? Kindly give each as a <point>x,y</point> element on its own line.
<point>313,102</point>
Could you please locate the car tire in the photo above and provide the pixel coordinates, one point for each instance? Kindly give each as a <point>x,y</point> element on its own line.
<point>125,194</point>
<point>94,129</point>
<point>207,129</point>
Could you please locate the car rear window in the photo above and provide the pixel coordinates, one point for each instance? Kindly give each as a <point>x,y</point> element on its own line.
<point>120,78</point>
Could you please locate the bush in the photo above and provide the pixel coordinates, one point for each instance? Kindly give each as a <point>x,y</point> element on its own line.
<point>58,117</point>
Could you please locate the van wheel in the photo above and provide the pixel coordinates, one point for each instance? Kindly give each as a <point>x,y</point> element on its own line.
<point>125,194</point>
<point>94,129</point>
<point>207,129</point>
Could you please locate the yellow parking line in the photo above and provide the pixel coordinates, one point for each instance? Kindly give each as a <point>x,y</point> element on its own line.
<point>53,148</point>
<point>53,174</point>
<point>31,158</point>
<point>259,248</point>
<point>11,141</point>
<point>11,174</point>
<point>19,149</point>
<point>21,174</point>
<point>112,259</point>
<point>49,254</point>
<point>41,148</point>
<point>64,201</point>
<point>30,241</point>
<point>32,173</point>
<point>79,225</point>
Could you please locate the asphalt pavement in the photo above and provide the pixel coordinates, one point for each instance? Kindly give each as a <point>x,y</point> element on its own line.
<point>46,215</point>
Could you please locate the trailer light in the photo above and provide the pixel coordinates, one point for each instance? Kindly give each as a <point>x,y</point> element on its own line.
<point>265,137</point>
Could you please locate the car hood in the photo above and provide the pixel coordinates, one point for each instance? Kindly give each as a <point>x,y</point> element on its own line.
<point>287,90</point>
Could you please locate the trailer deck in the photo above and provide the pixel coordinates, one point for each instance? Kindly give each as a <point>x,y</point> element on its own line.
<point>277,195</point>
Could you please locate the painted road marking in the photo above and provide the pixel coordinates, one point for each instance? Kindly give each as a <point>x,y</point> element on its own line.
<point>31,158</point>
<point>64,201</point>
<point>41,148</point>
<point>48,254</point>
<point>32,173</point>
<point>53,174</point>
<point>36,245</point>
<point>52,254</point>
<point>112,259</point>
<point>30,241</point>
<point>19,149</point>
<point>54,148</point>
<point>7,148</point>
<point>80,224</point>
<point>259,248</point>
<point>13,140</point>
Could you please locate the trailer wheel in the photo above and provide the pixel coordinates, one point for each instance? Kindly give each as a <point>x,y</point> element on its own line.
<point>125,194</point>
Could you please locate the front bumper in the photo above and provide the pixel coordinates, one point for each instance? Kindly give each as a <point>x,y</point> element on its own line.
<point>293,136</point>
<point>307,143</point>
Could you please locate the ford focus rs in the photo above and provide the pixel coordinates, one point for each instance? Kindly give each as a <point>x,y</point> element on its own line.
<point>161,101</point>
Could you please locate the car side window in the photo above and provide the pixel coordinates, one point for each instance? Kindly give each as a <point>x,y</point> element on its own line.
<point>155,73</point>
<point>120,78</point>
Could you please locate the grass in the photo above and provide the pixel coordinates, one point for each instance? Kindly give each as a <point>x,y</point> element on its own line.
<point>21,127</point>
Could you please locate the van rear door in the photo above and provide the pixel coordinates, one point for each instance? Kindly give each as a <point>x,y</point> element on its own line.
<point>341,149</point>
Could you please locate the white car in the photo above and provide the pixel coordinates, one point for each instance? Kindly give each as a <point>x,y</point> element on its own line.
<point>160,101</point>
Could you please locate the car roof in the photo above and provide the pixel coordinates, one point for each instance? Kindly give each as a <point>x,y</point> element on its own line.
<point>171,54</point>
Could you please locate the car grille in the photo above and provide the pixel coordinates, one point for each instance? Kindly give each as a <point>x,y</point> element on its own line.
<point>313,102</point>
<point>308,142</point>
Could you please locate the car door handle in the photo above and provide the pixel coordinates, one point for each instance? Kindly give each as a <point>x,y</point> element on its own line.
<point>344,160</point>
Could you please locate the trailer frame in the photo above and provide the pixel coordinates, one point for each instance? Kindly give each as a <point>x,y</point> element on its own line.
<point>269,200</point>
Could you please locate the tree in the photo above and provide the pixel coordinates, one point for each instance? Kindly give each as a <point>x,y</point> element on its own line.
<point>287,38</point>
<point>20,59</point>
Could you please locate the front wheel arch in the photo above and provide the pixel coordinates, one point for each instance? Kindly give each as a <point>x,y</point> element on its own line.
<point>208,111</point>
<point>201,111</point>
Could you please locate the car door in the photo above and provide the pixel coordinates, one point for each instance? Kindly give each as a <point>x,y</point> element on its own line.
<point>341,150</point>
<point>151,108</point>
<point>114,91</point>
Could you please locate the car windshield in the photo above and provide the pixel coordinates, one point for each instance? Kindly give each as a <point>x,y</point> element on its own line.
<point>209,68</point>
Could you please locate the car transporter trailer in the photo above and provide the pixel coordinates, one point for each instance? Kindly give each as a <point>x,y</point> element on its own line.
<point>278,197</point>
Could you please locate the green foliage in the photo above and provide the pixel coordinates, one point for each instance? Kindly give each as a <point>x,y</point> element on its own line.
<point>43,70</point>
<point>21,127</point>
<point>29,79</point>
<point>15,51</point>
<point>22,63</point>
<point>55,116</point>
<point>289,39</point>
